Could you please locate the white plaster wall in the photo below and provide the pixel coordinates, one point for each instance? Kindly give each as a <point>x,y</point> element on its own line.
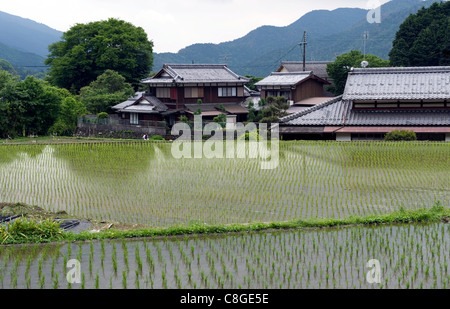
<point>343,137</point>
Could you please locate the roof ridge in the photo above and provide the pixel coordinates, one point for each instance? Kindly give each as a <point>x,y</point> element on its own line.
<point>292,73</point>
<point>429,69</point>
<point>301,62</point>
<point>311,109</point>
<point>196,65</point>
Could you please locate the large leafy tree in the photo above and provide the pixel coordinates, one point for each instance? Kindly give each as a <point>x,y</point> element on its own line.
<point>27,107</point>
<point>339,69</point>
<point>423,38</point>
<point>107,90</point>
<point>87,50</point>
<point>41,104</point>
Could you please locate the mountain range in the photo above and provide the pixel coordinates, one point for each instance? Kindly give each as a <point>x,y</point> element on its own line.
<point>329,33</point>
<point>24,42</point>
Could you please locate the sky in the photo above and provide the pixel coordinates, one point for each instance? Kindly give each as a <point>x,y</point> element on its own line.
<point>175,24</point>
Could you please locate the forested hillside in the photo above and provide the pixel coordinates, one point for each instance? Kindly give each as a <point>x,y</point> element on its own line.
<point>329,33</point>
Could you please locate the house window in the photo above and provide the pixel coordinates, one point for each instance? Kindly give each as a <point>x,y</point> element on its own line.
<point>163,93</point>
<point>397,105</point>
<point>134,118</point>
<point>276,94</point>
<point>193,92</point>
<point>227,92</point>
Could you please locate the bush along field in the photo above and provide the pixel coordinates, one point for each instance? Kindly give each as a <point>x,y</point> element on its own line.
<point>314,222</point>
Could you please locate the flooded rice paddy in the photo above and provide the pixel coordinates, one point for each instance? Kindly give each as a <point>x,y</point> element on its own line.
<point>141,183</point>
<point>410,256</point>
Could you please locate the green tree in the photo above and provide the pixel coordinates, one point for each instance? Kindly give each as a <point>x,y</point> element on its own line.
<point>198,112</point>
<point>401,54</point>
<point>445,48</point>
<point>339,69</point>
<point>6,66</point>
<point>253,81</point>
<point>11,107</point>
<point>87,50</point>
<point>423,38</point>
<point>252,115</point>
<point>41,103</point>
<point>184,119</point>
<point>221,119</point>
<point>275,110</point>
<point>107,90</point>
<point>30,106</point>
<point>66,124</point>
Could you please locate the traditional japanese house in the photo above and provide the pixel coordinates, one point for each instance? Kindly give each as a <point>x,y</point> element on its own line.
<point>377,101</point>
<point>179,84</point>
<point>294,86</point>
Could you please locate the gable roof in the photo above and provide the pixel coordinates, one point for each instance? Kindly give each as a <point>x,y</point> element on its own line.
<point>412,83</point>
<point>196,73</point>
<point>141,103</point>
<point>319,68</point>
<point>288,79</point>
<point>326,113</point>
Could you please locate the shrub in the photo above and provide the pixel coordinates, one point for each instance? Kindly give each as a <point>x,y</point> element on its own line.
<point>253,136</point>
<point>184,119</point>
<point>22,230</point>
<point>102,115</point>
<point>437,207</point>
<point>157,138</point>
<point>221,119</point>
<point>402,135</point>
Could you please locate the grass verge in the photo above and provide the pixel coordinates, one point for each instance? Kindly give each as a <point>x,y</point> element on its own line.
<point>434,214</point>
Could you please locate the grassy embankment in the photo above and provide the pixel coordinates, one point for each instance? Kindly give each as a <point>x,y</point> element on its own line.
<point>26,230</point>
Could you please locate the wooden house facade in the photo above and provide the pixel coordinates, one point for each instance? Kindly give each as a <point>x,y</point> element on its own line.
<point>179,84</point>
<point>377,101</point>
<point>294,86</point>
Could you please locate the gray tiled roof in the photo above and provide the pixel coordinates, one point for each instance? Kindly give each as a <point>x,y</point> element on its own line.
<point>319,68</point>
<point>284,79</point>
<point>196,73</point>
<point>421,83</point>
<point>326,113</point>
<point>129,101</point>
<point>338,112</point>
<point>424,117</point>
<point>148,104</point>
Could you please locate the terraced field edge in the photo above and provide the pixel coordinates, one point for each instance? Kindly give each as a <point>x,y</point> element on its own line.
<point>403,216</point>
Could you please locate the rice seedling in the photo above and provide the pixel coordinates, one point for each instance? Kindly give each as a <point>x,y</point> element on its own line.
<point>314,179</point>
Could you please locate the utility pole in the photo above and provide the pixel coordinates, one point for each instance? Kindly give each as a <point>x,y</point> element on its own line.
<point>366,37</point>
<point>304,50</point>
